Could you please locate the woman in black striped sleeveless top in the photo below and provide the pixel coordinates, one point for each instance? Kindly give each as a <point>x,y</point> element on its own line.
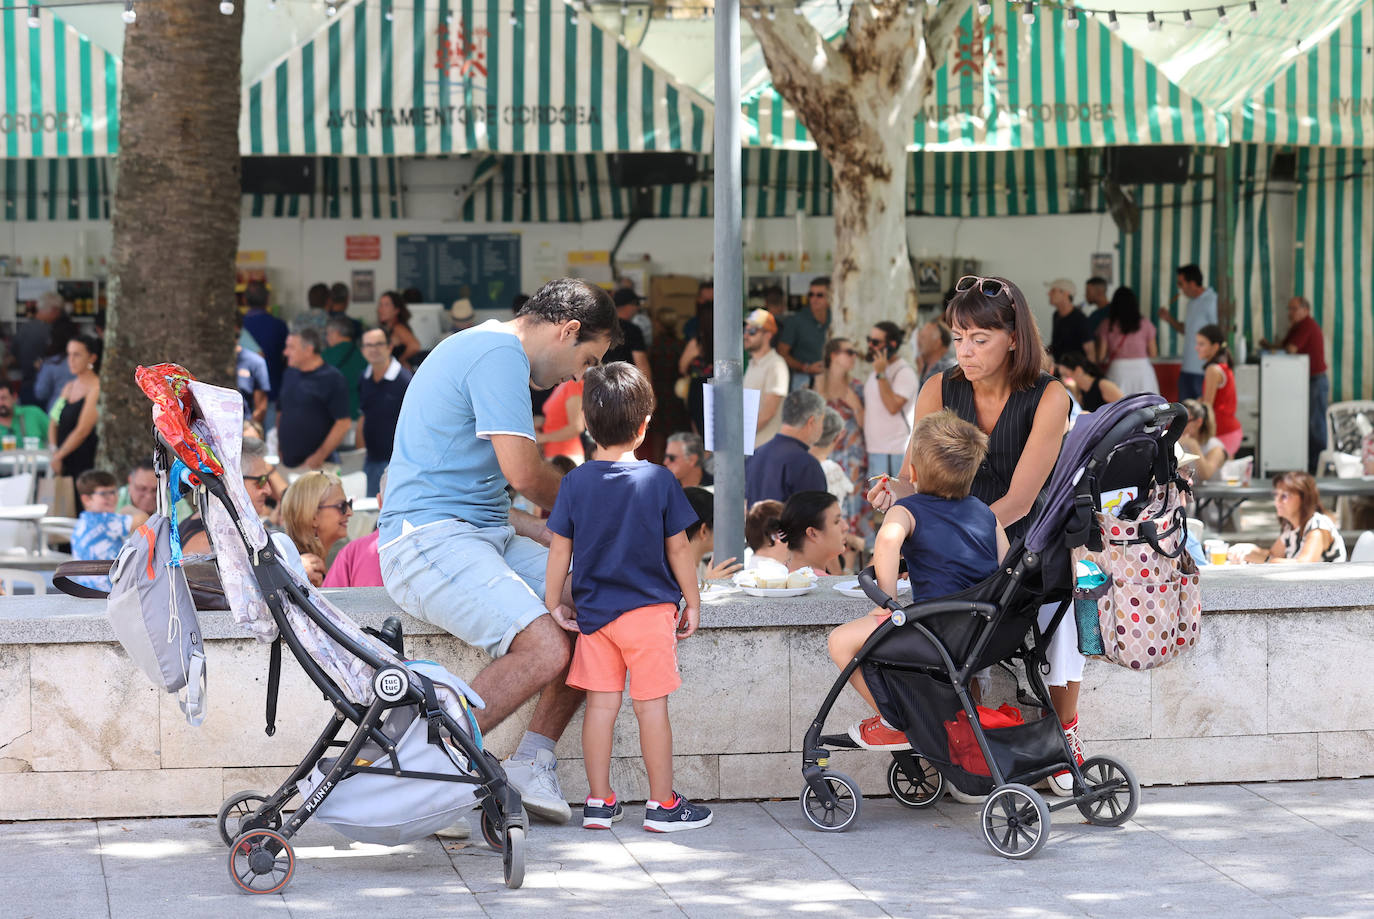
<point>1000,385</point>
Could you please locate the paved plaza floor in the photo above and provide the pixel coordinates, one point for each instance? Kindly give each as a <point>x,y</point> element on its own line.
<point>1273,849</point>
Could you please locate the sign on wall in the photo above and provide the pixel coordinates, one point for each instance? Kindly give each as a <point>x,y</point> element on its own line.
<point>483,267</point>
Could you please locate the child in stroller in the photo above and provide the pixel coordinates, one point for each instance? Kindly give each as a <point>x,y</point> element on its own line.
<point>949,540</point>
<point>919,663</point>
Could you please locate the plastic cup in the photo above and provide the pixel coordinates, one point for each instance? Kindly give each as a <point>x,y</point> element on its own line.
<point>9,442</point>
<point>31,443</point>
<point>1216,551</point>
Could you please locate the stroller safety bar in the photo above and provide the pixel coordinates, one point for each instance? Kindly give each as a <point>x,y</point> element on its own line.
<point>903,614</point>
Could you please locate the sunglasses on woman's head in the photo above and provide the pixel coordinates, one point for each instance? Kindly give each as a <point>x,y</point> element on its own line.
<point>990,287</point>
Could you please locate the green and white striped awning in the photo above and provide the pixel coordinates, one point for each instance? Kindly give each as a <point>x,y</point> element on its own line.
<point>59,93</point>
<point>350,187</point>
<point>54,190</point>
<point>1324,98</point>
<point>1012,86</point>
<point>455,77</point>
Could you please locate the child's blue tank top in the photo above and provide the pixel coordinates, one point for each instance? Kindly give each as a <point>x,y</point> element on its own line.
<point>952,546</point>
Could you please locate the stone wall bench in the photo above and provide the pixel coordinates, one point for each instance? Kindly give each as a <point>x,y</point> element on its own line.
<point>1278,688</point>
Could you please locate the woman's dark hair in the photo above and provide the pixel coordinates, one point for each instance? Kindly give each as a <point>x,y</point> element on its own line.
<point>91,344</point>
<point>1006,310</point>
<point>761,524</point>
<point>63,328</point>
<point>565,299</point>
<point>616,398</point>
<point>802,511</point>
<point>1077,360</point>
<point>1216,336</point>
<point>1309,499</point>
<point>402,308</point>
<point>706,331</point>
<point>704,504</point>
<point>1124,311</point>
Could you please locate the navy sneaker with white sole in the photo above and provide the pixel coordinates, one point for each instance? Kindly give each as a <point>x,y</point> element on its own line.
<point>683,815</point>
<point>598,815</point>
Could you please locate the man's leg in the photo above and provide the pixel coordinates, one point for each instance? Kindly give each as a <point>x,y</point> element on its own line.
<point>1318,396</point>
<point>537,660</point>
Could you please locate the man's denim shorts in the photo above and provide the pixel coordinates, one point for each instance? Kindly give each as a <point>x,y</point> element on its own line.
<point>482,584</point>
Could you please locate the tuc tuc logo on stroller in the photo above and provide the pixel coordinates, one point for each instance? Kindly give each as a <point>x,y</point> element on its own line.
<point>411,759</point>
<point>920,663</point>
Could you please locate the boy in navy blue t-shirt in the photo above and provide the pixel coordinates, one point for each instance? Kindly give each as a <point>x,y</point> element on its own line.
<point>621,523</point>
<point>949,538</point>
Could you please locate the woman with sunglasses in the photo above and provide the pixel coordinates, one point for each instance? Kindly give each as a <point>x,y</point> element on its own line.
<point>1306,533</point>
<point>844,394</point>
<point>1001,386</point>
<point>315,512</point>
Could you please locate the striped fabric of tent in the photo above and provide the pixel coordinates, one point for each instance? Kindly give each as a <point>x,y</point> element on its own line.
<point>1324,98</point>
<point>1176,228</point>
<point>59,94</point>
<point>457,76</point>
<point>345,187</point>
<point>1333,269</point>
<point>1011,86</point>
<point>55,189</point>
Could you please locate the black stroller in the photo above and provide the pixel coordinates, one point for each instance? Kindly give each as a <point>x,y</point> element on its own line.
<point>400,721</point>
<point>920,663</point>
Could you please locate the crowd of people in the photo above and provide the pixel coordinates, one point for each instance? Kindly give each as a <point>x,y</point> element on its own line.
<point>495,457</point>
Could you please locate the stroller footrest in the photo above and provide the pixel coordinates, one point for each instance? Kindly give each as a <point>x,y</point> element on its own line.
<point>842,741</point>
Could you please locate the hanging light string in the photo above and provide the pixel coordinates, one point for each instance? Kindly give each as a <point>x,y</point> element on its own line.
<point>1226,14</point>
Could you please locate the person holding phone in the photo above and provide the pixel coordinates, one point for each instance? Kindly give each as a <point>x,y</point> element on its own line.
<point>889,401</point>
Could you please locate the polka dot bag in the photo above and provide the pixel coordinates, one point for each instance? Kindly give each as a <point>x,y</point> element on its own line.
<point>1151,609</point>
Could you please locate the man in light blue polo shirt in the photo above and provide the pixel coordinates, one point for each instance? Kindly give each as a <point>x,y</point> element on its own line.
<point>1202,311</point>
<point>449,552</point>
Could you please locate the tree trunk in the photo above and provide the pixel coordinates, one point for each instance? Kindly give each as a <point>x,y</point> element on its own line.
<point>176,213</point>
<point>858,96</point>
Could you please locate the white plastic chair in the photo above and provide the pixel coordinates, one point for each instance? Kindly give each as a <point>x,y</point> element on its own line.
<point>1344,432</point>
<point>1364,548</point>
<point>12,578</point>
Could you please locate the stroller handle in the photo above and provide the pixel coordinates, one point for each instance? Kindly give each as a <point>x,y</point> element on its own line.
<point>868,580</point>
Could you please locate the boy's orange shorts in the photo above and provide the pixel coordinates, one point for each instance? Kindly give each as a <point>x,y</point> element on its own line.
<point>642,642</point>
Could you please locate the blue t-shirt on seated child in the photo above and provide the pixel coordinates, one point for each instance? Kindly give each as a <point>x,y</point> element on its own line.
<point>952,546</point>
<point>618,516</point>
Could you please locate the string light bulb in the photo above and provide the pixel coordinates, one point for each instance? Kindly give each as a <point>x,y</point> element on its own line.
<point>572,15</point>
<point>911,7</point>
<point>1113,23</point>
<point>226,7</point>
<point>34,20</point>
<point>1028,13</point>
<point>1254,9</point>
<point>129,15</point>
<point>388,15</point>
<point>984,8</point>
<point>513,19</point>
<point>1228,36</point>
<point>756,12</point>
<point>1222,17</point>
<point>1072,22</point>
<point>331,10</point>
<point>624,10</point>
<point>772,14</point>
<point>1151,22</point>
<point>1283,5</point>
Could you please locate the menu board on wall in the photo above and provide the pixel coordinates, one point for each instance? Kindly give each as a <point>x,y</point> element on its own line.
<point>444,267</point>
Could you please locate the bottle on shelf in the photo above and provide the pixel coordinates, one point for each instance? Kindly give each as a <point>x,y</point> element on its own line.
<point>47,267</point>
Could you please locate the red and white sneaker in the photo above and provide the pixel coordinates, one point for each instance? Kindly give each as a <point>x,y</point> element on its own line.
<point>872,734</point>
<point>1061,783</point>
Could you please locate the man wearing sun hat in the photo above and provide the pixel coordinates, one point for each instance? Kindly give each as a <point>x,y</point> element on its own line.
<point>767,371</point>
<point>462,314</point>
<point>1071,330</point>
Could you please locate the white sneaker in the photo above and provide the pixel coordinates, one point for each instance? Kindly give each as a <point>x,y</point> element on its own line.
<point>537,782</point>
<point>1061,783</point>
<point>459,829</point>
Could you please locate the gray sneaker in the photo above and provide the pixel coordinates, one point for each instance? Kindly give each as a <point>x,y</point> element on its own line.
<point>537,782</point>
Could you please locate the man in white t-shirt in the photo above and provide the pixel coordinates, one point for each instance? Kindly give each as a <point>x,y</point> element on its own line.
<point>889,401</point>
<point>767,372</point>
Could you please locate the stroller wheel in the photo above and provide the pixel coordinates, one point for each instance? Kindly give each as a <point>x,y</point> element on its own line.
<point>1016,821</point>
<point>919,789</point>
<point>837,815</point>
<point>492,833</point>
<point>261,861</point>
<point>513,857</point>
<point>234,814</point>
<point>1116,805</point>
